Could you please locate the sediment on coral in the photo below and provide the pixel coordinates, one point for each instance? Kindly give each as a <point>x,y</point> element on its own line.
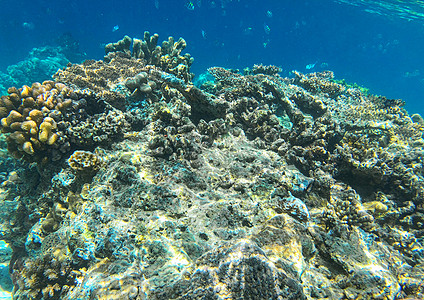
<point>258,187</point>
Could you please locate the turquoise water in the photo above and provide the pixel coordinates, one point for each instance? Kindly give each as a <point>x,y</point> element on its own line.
<point>5,282</point>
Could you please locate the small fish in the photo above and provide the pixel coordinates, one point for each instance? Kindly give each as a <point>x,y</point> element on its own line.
<point>28,25</point>
<point>414,73</point>
<point>310,66</point>
<point>269,14</point>
<point>203,34</point>
<point>190,5</point>
<point>297,25</point>
<point>115,28</point>
<point>247,31</point>
<point>267,29</point>
<point>157,4</point>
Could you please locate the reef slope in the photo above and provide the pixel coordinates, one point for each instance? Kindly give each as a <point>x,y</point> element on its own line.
<point>253,186</point>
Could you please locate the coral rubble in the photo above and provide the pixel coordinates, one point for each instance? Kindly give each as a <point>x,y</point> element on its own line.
<point>256,187</point>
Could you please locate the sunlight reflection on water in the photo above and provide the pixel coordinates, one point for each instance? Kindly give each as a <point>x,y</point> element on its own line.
<point>409,10</point>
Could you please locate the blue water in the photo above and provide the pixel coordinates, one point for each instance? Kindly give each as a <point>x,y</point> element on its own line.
<point>377,44</point>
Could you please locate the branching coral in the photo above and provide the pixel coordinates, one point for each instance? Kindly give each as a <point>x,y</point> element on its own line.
<point>168,56</point>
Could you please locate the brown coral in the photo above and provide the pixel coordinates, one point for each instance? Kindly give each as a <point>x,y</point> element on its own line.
<point>29,114</point>
<point>85,161</point>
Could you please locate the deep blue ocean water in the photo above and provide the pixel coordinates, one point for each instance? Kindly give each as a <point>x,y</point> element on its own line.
<point>377,44</point>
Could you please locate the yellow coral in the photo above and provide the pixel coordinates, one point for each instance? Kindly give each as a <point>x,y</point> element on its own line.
<point>46,134</point>
<point>26,91</point>
<point>13,116</point>
<point>45,131</point>
<point>27,147</point>
<point>36,115</point>
<point>24,114</point>
<point>30,127</point>
<point>375,207</point>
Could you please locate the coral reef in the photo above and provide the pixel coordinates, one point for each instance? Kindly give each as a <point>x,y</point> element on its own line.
<point>85,161</point>
<point>168,56</point>
<point>257,187</point>
<point>30,115</point>
<point>47,276</point>
<point>105,80</point>
<point>41,63</point>
<point>261,69</point>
